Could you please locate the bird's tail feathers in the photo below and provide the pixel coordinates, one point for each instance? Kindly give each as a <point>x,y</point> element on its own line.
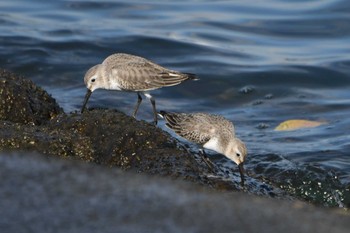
<point>191,76</point>
<point>170,118</point>
<point>162,114</point>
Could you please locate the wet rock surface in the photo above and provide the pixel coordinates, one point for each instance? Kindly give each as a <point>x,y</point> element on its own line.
<point>105,137</point>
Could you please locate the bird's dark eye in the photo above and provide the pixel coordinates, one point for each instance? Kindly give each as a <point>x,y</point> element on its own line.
<point>93,80</point>
<point>238,154</point>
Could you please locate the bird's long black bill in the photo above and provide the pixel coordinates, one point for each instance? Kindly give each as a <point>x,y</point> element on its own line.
<point>241,172</point>
<point>87,96</point>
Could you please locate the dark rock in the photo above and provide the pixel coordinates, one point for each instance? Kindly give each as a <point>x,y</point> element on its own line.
<point>110,138</point>
<point>262,126</point>
<point>247,90</point>
<point>23,102</point>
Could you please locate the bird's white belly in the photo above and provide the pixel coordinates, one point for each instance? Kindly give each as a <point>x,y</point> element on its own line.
<point>113,85</point>
<point>212,144</point>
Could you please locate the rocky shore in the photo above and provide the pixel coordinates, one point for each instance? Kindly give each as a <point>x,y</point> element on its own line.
<point>31,120</point>
<point>32,123</point>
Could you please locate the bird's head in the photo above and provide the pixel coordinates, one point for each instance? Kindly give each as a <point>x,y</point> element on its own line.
<point>92,78</point>
<point>237,151</point>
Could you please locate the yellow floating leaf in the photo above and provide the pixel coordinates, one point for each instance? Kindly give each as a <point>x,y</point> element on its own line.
<point>298,124</point>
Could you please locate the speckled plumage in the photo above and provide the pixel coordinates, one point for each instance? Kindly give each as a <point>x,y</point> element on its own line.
<point>125,72</point>
<point>211,131</point>
<point>199,127</point>
<point>133,73</point>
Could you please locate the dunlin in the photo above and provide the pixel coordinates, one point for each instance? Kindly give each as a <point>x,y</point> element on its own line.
<point>213,132</point>
<point>125,72</point>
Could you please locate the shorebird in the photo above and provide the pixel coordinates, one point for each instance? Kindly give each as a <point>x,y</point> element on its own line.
<point>213,132</point>
<point>125,72</point>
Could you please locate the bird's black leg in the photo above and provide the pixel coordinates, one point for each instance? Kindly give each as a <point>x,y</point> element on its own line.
<point>241,172</point>
<point>153,102</point>
<point>87,96</point>
<point>206,160</point>
<point>139,100</point>
<point>209,163</point>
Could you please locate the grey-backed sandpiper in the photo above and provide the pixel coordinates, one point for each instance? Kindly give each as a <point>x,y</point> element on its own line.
<point>213,132</point>
<point>125,72</point>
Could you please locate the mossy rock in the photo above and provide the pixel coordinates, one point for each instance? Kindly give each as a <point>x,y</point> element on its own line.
<point>22,101</point>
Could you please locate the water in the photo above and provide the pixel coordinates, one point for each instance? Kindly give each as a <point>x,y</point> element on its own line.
<point>260,63</point>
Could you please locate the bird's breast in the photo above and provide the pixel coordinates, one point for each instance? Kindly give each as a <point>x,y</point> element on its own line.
<point>113,81</point>
<point>114,85</point>
<point>213,144</point>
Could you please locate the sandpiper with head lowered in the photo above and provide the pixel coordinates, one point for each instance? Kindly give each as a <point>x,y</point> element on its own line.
<point>125,72</point>
<point>213,132</point>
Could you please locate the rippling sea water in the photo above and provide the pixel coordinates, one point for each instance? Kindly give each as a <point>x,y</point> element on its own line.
<point>260,63</point>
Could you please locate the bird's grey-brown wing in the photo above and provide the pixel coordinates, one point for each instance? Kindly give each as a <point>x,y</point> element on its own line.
<point>188,127</point>
<point>221,123</point>
<point>139,74</point>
